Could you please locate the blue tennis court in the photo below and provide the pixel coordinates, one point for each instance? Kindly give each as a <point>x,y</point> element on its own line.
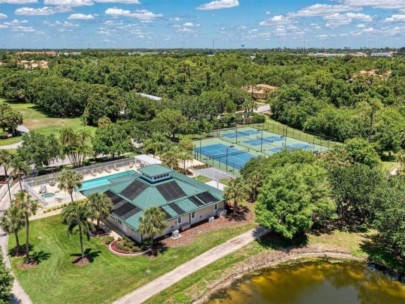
<point>275,150</point>
<point>240,133</point>
<point>301,146</point>
<point>226,154</point>
<point>265,140</point>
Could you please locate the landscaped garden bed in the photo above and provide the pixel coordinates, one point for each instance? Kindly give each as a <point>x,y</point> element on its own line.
<point>125,246</point>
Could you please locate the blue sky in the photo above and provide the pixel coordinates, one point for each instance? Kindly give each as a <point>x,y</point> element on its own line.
<point>201,23</point>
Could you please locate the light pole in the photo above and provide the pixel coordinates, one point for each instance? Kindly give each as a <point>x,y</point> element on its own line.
<point>227,153</point>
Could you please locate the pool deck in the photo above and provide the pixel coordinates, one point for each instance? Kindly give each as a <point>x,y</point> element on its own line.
<point>62,197</point>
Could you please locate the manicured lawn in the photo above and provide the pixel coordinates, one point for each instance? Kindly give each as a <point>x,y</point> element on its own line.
<point>36,120</point>
<point>202,178</point>
<point>10,141</point>
<point>194,286</point>
<point>389,165</point>
<point>108,277</point>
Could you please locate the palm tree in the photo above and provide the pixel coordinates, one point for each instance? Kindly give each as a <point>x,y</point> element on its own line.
<point>152,223</point>
<point>5,161</point>
<point>248,107</point>
<point>186,150</point>
<point>12,222</point>
<point>185,155</point>
<point>75,145</point>
<point>156,143</point>
<point>76,216</point>
<point>100,206</point>
<point>20,169</point>
<point>28,207</point>
<point>171,157</point>
<point>254,182</point>
<point>69,180</point>
<point>236,191</point>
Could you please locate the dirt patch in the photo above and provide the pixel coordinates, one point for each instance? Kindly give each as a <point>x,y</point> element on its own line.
<point>189,235</point>
<point>30,265</point>
<point>80,261</point>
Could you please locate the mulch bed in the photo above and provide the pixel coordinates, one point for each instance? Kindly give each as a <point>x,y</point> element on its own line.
<point>80,262</point>
<point>98,232</point>
<point>29,265</point>
<point>188,236</point>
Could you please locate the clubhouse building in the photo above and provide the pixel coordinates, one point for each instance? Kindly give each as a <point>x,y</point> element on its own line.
<point>184,200</point>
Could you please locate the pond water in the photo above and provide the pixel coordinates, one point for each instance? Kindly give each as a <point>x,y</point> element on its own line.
<point>315,282</point>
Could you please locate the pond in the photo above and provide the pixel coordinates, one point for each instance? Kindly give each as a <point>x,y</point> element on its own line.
<point>315,282</point>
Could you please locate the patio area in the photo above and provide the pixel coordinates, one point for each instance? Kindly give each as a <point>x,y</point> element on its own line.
<point>45,188</point>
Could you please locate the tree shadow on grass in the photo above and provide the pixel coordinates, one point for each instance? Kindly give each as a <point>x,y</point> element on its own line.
<point>274,240</point>
<point>381,253</point>
<point>88,253</point>
<point>40,256</point>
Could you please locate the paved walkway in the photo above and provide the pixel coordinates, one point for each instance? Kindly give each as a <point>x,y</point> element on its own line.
<point>19,295</point>
<point>147,291</point>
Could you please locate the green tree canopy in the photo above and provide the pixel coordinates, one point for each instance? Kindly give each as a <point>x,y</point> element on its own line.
<point>39,149</point>
<point>294,198</point>
<point>112,140</point>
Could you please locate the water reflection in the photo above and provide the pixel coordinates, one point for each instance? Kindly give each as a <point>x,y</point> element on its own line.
<point>311,283</point>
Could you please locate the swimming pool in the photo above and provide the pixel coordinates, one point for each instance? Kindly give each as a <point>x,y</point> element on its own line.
<point>103,181</point>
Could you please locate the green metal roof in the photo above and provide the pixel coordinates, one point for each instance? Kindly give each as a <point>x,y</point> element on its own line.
<point>151,197</point>
<point>154,170</point>
<point>186,205</point>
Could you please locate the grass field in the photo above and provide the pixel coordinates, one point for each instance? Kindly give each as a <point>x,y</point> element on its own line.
<point>199,282</point>
<point>108,277</point>
<point>35,120</point>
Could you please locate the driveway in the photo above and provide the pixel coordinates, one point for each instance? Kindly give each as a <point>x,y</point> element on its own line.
<point>153,288</point>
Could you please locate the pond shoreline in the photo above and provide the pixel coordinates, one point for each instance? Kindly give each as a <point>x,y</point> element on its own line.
<point>276,258</point>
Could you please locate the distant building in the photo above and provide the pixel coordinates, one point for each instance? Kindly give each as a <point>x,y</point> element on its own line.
<point>383,54</point>
<point>185,201</point>
<point>260,91</point>
<point>33,64</point>
<point>47,53</point>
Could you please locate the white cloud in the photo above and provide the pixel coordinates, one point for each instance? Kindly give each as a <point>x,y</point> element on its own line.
<point>44,11</point>
<point>143,15</point>
<point>383,4</point>
<point>3,16</point>
<point>190,24</point>
<point>395,18</point>
<point>119,1</point>
<point>219,4</point>
<point>69,3</point>
<point>20,28</point>
<point>361,25</point>
<point>2,26</point>
<point>19,1</point>
<point>322,10</point>
<point>277,20</point>
<point>16,22</point>
<point>336,20</point>
<point>81,17</point>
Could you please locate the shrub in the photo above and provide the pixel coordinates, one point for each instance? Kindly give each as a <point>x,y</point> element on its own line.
<point>125,244</point>
<point>108,239</point>
<point>257,118</point>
